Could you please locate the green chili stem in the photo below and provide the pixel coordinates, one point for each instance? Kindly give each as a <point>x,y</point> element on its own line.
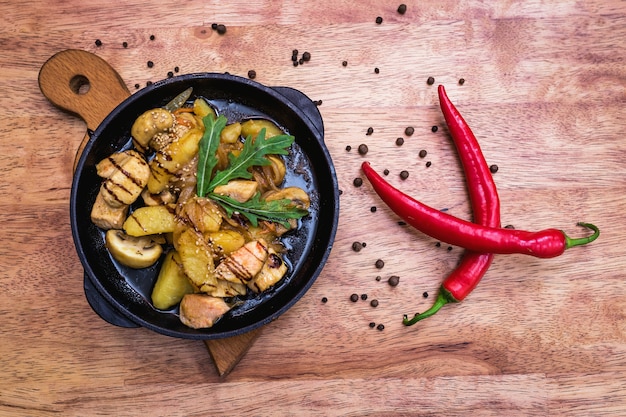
<point>443,298</point>
<point>570,242</point>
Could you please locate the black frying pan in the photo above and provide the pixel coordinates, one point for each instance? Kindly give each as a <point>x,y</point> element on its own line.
<point>121,295</point>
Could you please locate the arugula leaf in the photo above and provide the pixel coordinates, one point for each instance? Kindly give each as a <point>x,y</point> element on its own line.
<point>253,153</point>
<point>255,209</point>
<point>207,147</point>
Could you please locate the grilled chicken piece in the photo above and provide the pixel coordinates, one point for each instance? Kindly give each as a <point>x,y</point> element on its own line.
<point>273,270</point>
<point>106,217</point>
<point>127,178</point>
<point>244,263</point>
<point>240,190</point>
<point>224,288</point>
<point>107,166</point>
<point>200,311</point>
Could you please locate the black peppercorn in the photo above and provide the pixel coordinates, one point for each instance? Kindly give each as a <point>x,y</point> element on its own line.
<point>294,52</point>
<point>370,130</point>
<point>363,149</point>
<point>378,278</point>
<point>98,42</point>
<point>493,168</point>
<point>357,182</point>
<point>402,8</point>
<point>462,81</point>
<point>423,153</point>
<point>380,327</point>
<point>363,297</point>
<point>324,299</point>
<point>150,64</point>
<point>354,298</point>
<point>170,74</point>
<point>151,37</point>
<point>344,63</point>
<point>306,56</point>
<point>357,246</point>
<point>221,29</point>
<point>148,83</point>
<point>295,63</point>
<point>394,280</point>
<point>125,44</point>
<point>380,264</point>
<point>509,226</point>
<point>252,74</point>
<point>372,324</point>
<point>409,131</point>
<point>176,69</point>
<point>430,81</point>
<point>137,86</point>
<point>428,164</point>
<point>374,303</point>
<point>434,129</point>
<point>425,294</point>
<point>376,70</point>
<point>404,174</point>
<point>400,141</point>
<point>373,209</point>
<point>386,172</point>
<point>348,148</point>
<point>379,20</point>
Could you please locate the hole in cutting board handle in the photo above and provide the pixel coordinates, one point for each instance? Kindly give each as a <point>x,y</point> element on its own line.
<point>80,84</point>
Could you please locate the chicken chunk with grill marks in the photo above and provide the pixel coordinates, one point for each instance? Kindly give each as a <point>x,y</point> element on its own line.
<point>244,263</point>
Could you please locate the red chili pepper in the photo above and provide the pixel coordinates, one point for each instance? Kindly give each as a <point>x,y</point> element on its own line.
<point>546,243</point>
<point>485,206</point>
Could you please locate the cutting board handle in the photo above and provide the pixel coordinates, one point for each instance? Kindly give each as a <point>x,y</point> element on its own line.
<point>83,84</point>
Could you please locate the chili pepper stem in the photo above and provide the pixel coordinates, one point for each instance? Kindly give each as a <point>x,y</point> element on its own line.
<point>571,242</point>
<point>443,298</point>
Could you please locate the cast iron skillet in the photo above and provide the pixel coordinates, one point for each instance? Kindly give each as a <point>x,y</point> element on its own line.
<point>121,295</point>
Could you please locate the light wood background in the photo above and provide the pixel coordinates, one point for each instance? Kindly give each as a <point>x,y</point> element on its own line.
<point>545,91</point>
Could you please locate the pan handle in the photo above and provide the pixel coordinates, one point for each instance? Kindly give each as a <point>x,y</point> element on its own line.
<point>103,308</point>
<point>83,84</point>
<point>304,103</point>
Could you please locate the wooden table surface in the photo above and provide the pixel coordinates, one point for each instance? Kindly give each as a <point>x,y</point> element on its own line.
<point>544,91</point>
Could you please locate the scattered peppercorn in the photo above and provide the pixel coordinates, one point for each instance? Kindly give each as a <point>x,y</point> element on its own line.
<point>509,226</point>
<point>409,131</point>
<point>137,86</point>
<point>434,129</point>
<point>170,74</point>
<point>401,223</point>
<point>363,149</point>
<point>364,244</point>
<point>98,42</point>
<point>378,278</point>
<point>380,264</point>
<point>294,52</point>
<point>404,174</point>
<point>148,83</point>
<point>386,172</point>
<point>373,209</point>
<point>394,280</point>
<point>376,70</point>
<point>428,164</point>
<point>252,74</point>
<point>430,81</point>
<point>380,327</point>
<point>151,37</point>
<point>344,63</point>
<point>438,244</point>
<point>324,299</point>
<point>423,153</point>
<point>357,182</point>
<point>301,61</point>
<point>348,148</point>
<point>372,324</point>
<point>370,130</point>
<point>379,20</point>
<point>402,8</point>
<point>374,303</point>
<point>221,29</point>
<point>493,168</point>
<point>306,56</point>
<point>125,44</point>
<point>425,294</point>
<point>400,141</point>
<point>176,69</point>
<point>295,63</point>
<point>449,248</point>
<point>363,297</point>
<point>318,103</point>
<point>357,246</point>
<point>150,64</point>
<point>214,26</point>
<point>461,81</point>
<point>354,298</point>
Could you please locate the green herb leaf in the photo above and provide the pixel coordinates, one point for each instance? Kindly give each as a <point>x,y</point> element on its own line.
<point>255,209</point>
<point>253,153</point>
<point>207,148</point>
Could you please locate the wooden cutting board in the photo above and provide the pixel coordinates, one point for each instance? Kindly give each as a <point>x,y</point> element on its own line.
<point>84,84</point>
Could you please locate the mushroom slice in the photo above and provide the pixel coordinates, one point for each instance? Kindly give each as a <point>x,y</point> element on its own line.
<point>200,311</point>
<point>244,263</point>
<point>273,270</point>
<point>134,252</point>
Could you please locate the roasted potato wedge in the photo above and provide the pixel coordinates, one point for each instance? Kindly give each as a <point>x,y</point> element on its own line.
<point>171,284</point>
<point>252,128</point>
<point>196,257</point>
<point>151,220</point>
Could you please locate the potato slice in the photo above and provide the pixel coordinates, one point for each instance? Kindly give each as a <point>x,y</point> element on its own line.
<point>171,159</point>
<point>252,128</point>
<point>196,256</point>
<point>224,242</point>
<point>151,220</point>
<point>231,133</point>
<point>134,252</point>
<point>200,311</point>
<point>171,284</point>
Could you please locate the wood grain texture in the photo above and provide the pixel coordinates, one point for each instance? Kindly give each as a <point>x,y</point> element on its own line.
<point>544,91</point>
